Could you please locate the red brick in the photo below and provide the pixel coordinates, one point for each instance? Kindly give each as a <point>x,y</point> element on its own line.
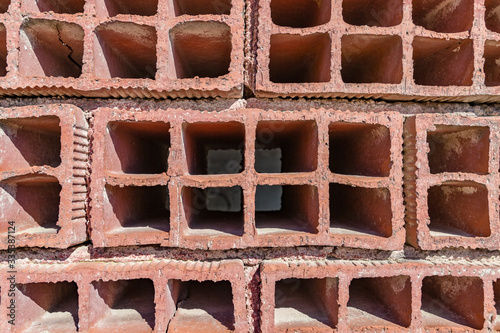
<point>43,170</point>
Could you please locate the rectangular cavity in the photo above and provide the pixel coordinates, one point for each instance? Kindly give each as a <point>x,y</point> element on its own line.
<point>444,15</point>
<point>382,13</point>
<point>492,15</point>
<point>4,6</point>
<point>379,302</point>
<point>360,211</point>
<point>111,8</point>
<point>137,147</point>
<point>300,13</point>
<point>459,208</point>
<point>492,63</point>
<point>286,209</point>
<point>3,50</point>
<point>128,304</point>
<point>306,305</point>
<point>360,149</point>
<point>296,140</point>
<point>496,298</point>
<point>56,6</point>
<point>201,7</point>
<point>451,301</point>
<point>214,148</point>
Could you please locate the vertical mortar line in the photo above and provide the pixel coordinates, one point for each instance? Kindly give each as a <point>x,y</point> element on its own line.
<point>417,278</point>
<point>344,279</point>
<point>489,303</point>
<point>408,85</point>
<point>249,187</point>
<point>163,49</point>
<point>396,175</point>
<point>13,31</point>
<point>322,118</point>
<point>177,167</point>
<point>84,307</point>
<point>160,294</point>
<point>336,28</point>
<point>477,32</point>
<point>88,26</point>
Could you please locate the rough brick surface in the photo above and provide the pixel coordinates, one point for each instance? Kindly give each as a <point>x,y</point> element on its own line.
<point>43,175</point>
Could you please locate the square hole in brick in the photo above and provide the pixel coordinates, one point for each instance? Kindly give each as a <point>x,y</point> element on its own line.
<point>360,149</point>
<point>496,291</point>
<point>200,49</point>
<point>492,15</point>
<point>449,302</point>
<point>443,15</point>
<point>214,148</point>
<point>32,201</point>
<point>4,6</point>
<point>125,50</point>
<point>3,50</point>
<point>306,305</point>
<point>29,142</point>
<point>206,306</point>
<point>297,142</point>
<point>129,304</point>
<point>137,208</point>
<point>384,13</point>
<point>300,13</point>
<point>359,211</point>
<point>137,147</point>
<point>492,63</point>
<point>201,7</point>
<point>441,62</point>
<point>56,6</point>
<point>50,48</point>
<point>52,307</point>
<point>372,59</point>
<point>382,302</point>
<point>459,149</point>
<point>214,210</point>
<point>286,209</point>
<point>111,8</point>
<point>459,209</point>
<point>300,59</point>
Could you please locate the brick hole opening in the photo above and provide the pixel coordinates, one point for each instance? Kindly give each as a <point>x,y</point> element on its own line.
<point>459,149</point>
<point>268,160</point>
<point>300,59</point>
<point>3,50</point>
<point>380,302</point>
<point>440,62</point>
<point>201,7</point>
<point>137,147</point>
<point>444,15</point>
<point>4,6</point>
<point>286,208</point>
<point>360,149</point>
<point>204,304</point>
<point>496,291</point>
<point>137,208</point>
<point>459,209</point>
<point>111,8</point>
<point>492,15</point>
<point>306,304</point>
<point>33,202</point>
<point>297,142</point>
<point>56,6</point>
<point>201,49</point>
<point>300,13</point>
<point>29,142</point>
<point>129,304</point>
<point>214,148</point>
<point>52,307</point>
<point>379,13</point>
<point>372,59</point>
<point>50,48</point>
<point>449,301</point>
<point>492,63</point>
<point>125,50</point>
<point>214,210</point>
<point>360,211</point>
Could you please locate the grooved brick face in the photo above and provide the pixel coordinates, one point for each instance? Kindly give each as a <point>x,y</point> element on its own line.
<point>247,178</point>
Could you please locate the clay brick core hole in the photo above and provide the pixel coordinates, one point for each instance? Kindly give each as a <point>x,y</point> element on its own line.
<point>459,209</point>
<point>214,210</point>
<point>286,208</point>
<point>197,304</point>
<point>3,50</point>
<point>492,15</point>
<point>56,6</point>
<point>29,142</point>
<point>50,48</point>
<point>444,15</point>
<point>360,149</point>
<point>137,147</point>
<point>300,13</point>
<point>123,303</point>
<point>306,304</point>
<point>452,302</point>
<point>372,59</point>
<point>52,307</point>
<point>360,211</point>
<point>379,302</point>
<point>440,62</point>
<point>137,208</point>
<point>214,148</point>
<point>4,6</point>
<point>379,13</point>
<point>459,149</point>
<point>201,49</point>
<point>125,50</point>
<point>202,7</point>
<point>496,291</point>
<point>492,63</point>
<point>111,8</point>
<point>300,59</point>
<point>33,203</point>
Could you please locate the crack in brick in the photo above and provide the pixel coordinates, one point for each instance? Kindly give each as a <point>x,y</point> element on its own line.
<point>71,51</point>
